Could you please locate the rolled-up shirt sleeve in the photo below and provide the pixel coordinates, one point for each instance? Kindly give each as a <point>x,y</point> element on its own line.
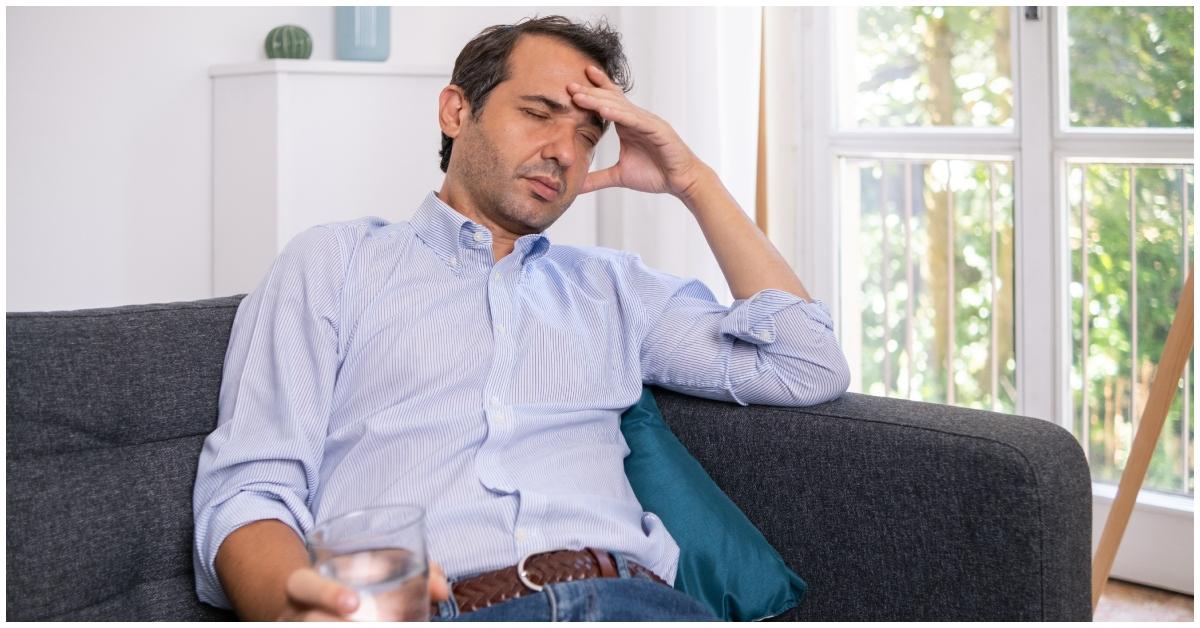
<point>263,459</point>
<point>772,348</point>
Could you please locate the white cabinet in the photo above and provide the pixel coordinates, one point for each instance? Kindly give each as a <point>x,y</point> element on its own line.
<point>298,143</point>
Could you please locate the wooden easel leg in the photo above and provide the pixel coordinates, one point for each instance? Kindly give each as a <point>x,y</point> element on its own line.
<point>1162,393</point>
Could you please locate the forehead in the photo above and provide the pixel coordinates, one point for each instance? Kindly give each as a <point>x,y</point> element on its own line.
<point>546,62</point>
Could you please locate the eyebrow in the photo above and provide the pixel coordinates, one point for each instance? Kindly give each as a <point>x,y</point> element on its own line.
<point>558,108</point>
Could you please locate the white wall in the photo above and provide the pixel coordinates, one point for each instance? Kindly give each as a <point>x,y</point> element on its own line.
<point>109,147</point>
<point>697,68</point>
<point>435,36</point>
<point>109,197</point>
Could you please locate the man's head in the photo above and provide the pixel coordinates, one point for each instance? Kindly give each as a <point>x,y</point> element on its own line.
<point>509,126</point>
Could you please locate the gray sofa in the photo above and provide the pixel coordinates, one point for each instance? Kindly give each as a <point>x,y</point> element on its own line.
<point>889,509</point>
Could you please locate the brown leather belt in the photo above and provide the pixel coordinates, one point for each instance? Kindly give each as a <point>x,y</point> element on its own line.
<point>501,585</point>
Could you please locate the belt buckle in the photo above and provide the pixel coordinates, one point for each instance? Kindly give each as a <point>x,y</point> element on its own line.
<point>524,577</point>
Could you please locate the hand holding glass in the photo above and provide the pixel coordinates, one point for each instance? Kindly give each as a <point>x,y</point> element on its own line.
<point>380,553</point>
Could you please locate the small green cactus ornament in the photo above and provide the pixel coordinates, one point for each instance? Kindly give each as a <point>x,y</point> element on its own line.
<point>288,42</point>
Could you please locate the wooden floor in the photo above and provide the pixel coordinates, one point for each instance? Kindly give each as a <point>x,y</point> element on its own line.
<point>1124,601</point>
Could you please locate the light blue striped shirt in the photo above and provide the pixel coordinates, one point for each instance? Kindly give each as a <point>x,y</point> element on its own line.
<point>396,363</point>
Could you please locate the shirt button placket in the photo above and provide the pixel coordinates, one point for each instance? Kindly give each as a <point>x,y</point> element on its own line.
<point>502,358</point>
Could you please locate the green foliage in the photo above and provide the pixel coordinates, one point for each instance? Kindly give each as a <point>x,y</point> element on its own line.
<point>1131,66</point>
<point>899,84</point>
<point>902,342</point>
<point>931,66</point>
<point>1118,380</point>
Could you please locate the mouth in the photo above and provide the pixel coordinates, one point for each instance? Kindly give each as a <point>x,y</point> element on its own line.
<point>546,188</point>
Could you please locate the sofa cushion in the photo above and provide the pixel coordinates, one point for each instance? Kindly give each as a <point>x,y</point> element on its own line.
<point>106,413</point>
<point>724,561</point>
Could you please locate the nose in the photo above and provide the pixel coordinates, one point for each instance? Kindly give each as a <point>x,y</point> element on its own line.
<point>560,145</point>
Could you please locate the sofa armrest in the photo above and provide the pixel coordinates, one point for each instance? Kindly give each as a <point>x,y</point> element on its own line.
<point>898,510</point>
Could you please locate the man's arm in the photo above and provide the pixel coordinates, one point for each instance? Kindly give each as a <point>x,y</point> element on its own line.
<point>748,260</point>
<point>258,468</point>
<point>774,346</point>
<point>654,159</point>
<point>261,463</point>
<point>265,572</point>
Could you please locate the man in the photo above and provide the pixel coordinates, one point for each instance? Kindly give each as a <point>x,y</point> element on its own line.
<point>461,362</point>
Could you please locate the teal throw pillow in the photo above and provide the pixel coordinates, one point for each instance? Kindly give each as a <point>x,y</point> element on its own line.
<point>724,561</point>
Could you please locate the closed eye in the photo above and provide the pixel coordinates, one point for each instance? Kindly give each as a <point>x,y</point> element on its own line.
<point>535,114</point>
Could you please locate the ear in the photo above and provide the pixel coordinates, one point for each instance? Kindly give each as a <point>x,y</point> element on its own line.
<point>452,110</point>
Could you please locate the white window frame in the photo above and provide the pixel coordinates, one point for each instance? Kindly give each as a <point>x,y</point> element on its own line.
<point>1040,144</point>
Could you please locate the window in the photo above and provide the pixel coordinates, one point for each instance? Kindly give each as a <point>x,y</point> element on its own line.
<point>934,272</point>
<point>1130,229</point>
<point>1010,220</point>
<point>930,66</point>
<point>1131,232</point>
<point>1013,209</point>
<point>1130,67</point>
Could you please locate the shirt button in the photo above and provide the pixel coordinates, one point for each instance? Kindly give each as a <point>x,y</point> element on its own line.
<point>479,237</point>
<point>499,418</point>
<point>763,336</point>
<point>453,262</point>
<point>495,400</point>
<point>500,328</point>
<point>521,535</point>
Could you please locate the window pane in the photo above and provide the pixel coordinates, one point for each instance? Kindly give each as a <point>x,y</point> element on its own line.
<point>930,66</point>
<point>1131,66</point>
<point>933,279</point>
<point>1131,234</point>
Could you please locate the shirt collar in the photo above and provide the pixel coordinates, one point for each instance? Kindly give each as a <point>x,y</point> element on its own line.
<point>447,232</point>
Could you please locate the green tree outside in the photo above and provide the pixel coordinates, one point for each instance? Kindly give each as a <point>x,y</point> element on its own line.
<point>951,66</point>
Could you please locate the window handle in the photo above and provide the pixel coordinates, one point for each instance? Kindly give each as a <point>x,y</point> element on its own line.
<point>1032,14</point>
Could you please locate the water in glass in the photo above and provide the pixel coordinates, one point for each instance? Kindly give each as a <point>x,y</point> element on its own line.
<point>391,584</point>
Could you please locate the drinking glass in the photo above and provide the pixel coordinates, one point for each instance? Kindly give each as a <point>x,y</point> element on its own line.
<point>380,553</point>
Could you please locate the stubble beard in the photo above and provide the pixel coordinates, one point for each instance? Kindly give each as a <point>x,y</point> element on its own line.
<point>486,178</point>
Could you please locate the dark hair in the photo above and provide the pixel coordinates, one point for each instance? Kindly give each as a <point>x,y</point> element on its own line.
<point>483,62</point>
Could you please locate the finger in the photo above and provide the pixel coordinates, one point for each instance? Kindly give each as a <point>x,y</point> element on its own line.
<point>306,587</point>
<point>439,589</point>
<point>598,93</point>
<point>600,79</point>
<point>599,97</point>
<point>600,179</point>
<point>624,116</point>
<point>621,112</point>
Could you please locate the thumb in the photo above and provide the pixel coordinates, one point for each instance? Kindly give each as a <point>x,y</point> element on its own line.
<point>600,179</point>
<point>439,588</point>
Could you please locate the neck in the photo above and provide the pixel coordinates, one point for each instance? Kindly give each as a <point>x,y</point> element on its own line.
<point>503,240</point>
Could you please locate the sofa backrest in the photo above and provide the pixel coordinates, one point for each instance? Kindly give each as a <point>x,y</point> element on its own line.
<point>107,412</point>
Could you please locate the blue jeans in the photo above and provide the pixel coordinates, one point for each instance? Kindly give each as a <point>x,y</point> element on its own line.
<point>636,598</point>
